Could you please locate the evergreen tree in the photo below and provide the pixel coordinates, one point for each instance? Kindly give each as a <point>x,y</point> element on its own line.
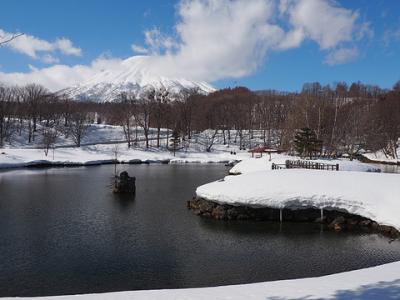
<point>174,141</point>
<point>306,143</point>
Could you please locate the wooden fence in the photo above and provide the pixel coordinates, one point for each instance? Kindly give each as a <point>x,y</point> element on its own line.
<point>303,164</point>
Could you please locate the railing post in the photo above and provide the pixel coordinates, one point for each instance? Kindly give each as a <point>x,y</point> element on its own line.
<point>280,215</point>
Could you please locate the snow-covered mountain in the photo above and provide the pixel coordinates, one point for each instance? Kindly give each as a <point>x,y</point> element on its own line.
<point>134,75</point>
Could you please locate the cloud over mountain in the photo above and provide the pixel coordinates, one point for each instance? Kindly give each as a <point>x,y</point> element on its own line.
<point>218,39</point>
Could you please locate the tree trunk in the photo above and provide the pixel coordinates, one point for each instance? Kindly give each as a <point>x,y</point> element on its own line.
<point>158,137</point>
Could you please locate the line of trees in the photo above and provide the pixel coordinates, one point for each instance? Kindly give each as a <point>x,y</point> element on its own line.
<point>23,109</point>
<point>342,118</point>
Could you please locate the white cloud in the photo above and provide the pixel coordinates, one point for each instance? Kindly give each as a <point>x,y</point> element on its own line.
<point>139,49</point>
<point>341,56</point>
<point>326,23</point>
<point>66,47</point>
<point>49,59</point>
<point>158,42</point>
<point>319,20</point>
<point>218,39</point>
<point>32,46</point>
<point>390,36</point>
<point>60,76</point>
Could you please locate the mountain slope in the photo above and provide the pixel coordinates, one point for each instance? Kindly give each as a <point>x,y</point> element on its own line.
<point>134,75</point>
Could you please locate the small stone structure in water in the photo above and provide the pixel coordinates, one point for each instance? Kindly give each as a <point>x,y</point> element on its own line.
<point>125,184</point>
<point>334,220</point>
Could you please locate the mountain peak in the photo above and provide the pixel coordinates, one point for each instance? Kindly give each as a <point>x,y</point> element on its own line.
<point>133,75</point>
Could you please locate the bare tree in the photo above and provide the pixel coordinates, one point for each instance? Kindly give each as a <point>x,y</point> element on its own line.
<point>49,138</point>
<point>386,120</point>
<point>78,126</point>
<point>353,132</point>
<point>161,98</point>
<point>34,95</point>
<point>186,105</point>
<point>123,113</point>
<point>396,86</point>
<point>8,98</point>
<point>145,103</point>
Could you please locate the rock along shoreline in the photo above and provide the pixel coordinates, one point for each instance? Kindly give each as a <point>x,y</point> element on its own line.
<point>333,219</point>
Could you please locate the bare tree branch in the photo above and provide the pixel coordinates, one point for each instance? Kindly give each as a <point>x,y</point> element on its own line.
<point>13,37</point>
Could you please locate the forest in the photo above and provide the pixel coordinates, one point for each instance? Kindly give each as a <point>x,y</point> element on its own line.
<point>340,119</point>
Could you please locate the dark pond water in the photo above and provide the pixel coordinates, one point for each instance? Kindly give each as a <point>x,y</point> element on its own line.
<point>385,168</point>
<point>62,231</point>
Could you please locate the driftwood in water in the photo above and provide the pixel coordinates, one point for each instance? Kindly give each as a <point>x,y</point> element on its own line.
<point>124,183</point>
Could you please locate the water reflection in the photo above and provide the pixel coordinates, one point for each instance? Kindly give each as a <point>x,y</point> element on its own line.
<point>385,168</point>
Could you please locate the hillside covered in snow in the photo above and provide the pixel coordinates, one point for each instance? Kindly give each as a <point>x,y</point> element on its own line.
<point>134,75</point>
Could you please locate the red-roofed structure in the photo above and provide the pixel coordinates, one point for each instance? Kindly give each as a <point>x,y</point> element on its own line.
<point>261,150</point>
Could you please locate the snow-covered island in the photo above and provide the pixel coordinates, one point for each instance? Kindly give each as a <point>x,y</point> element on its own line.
<point>356,197</point>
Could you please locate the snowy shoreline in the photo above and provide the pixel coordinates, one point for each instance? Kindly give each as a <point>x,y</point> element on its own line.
<point>11,158</point>
<point>60,164</point>
<point>99,145</point>
<point>373,158</point>
<point>380,282</point>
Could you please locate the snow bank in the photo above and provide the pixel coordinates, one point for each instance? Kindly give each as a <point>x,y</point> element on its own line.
<point>380,157</point>
<point>95,134</point>
<point>248,164</point>
<point>99,154</point>
<point>371,195</point>
<point>382,282</point>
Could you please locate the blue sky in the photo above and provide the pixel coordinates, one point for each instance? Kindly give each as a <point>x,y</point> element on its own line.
<point>109,28</point>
